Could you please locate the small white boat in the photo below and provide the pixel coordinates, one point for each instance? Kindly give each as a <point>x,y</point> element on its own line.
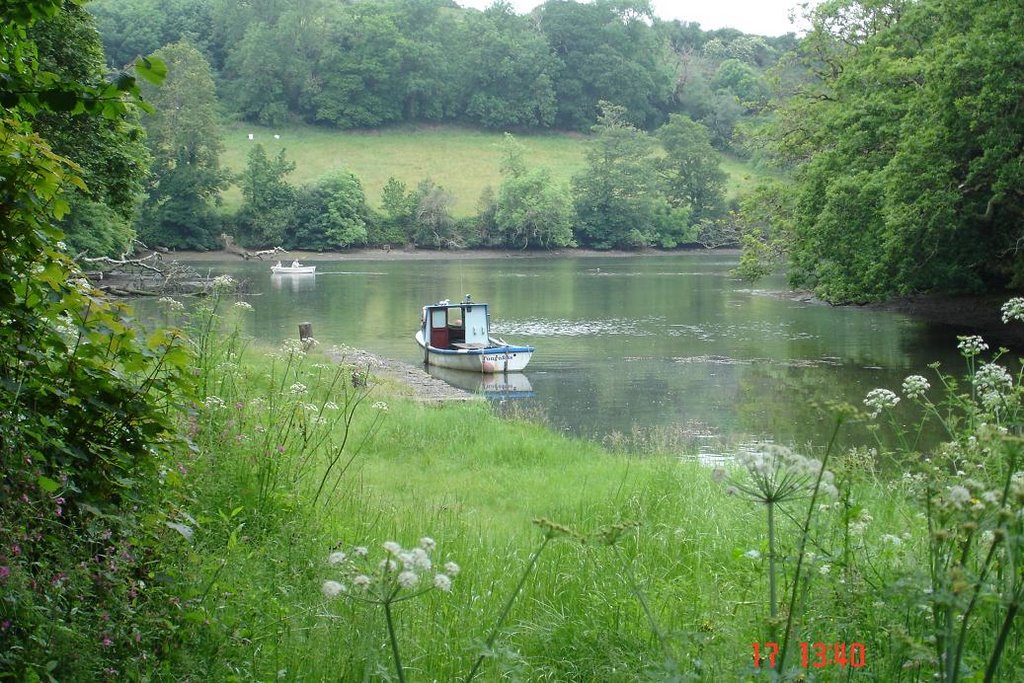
<point>457,336</point>
<point>295,268</point>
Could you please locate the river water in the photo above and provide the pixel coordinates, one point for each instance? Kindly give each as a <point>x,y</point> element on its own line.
<point>668,346</point>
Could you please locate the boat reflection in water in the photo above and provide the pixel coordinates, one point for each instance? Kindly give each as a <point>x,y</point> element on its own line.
<point>498,385</point>
<point>293,283</point>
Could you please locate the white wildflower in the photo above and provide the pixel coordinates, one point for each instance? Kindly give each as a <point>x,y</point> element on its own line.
<point>361,581</point>
<point>172,304</point>
<point>381,406</point>
<point>972,345</point>
<point>753,554</point>
<point>420,559</point>
<point>214,402</point>
<point>880,399</point>
<point>1013,309</point>
<point>223,282</point>
<point>451,569</point>
<point>992,497</point>
<point>824,569</point>
<point>392,547</point>
<point>332,589</point>
<point>914,386</point>
<point>428,544</point>
<point>443,582</point>
<point>336,558</point>
<point>408,579</point>
<point>298,388</point>
<point>360,551</point>
<point>958,496</point>
<point>243,305</point>
<point>331,405</point>
<point>993,378</point>
<point>892,539</point>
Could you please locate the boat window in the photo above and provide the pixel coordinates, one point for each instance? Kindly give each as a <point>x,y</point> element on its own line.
<point>438,318</point>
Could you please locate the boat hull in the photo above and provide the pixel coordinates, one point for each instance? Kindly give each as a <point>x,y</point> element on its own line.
<point>496,357</point>
<point>287,270</point>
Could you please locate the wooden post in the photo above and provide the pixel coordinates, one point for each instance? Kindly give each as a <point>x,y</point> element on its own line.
<point>306,335</point>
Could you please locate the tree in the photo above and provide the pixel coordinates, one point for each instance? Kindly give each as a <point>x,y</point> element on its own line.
<point>140,27</point>
<point>618,199</point>
<point>398,207</point>
<point>434,225</point>
<point>691,168</point>
<point>608,51</point>
<point>112,158</point>
<point>909,147</point>
<point>509,80</point>
<point>83,400</point>
<point>332,214</point>
<point>359,78</point>
<point>269,200</point>
<point>185,142</point>
<point>531,210</point>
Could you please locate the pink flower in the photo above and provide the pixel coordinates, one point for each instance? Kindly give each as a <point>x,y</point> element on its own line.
<point>107,642</point>
<point>5,571</point>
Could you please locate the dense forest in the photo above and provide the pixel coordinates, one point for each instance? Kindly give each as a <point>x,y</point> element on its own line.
<point>660,99</point>
<point>889,136</point>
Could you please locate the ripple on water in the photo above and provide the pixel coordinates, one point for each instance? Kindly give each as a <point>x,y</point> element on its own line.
<point>785,362</point>
<point>754,330</point>
<point>570,328</point>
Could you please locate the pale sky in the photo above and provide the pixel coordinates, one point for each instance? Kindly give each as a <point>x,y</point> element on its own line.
<point>758,17</point>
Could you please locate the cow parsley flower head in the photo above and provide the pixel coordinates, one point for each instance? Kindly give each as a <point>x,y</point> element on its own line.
<point>992,377</point>
<point>336,558</point>
<point>1013,309</point>
<point>878,400</point>
<point>958,496</point>
<point>332,589</point>
<point>914,386</point>
<point>443,583</point>
<point>408,579</point>
<point>972,345</point>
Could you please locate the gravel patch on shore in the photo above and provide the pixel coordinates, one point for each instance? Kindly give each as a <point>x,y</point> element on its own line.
<point>408,378</point>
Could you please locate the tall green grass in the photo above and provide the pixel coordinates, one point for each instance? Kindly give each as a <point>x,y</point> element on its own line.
<point>650,569</point>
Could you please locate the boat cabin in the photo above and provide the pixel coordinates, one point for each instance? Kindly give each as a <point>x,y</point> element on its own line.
<point>461,326</point>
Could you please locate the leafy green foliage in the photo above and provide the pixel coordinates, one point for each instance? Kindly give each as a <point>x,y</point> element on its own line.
<point>530,209</point>
<point>185,144</point>
<point>618,198</point>
<point>332,214</point>
<point>908,140</point>
<point>85,408</point>
<point>509,67</point>
<point>691,168</point>
<point>269,200</point>
<point>110,152</point>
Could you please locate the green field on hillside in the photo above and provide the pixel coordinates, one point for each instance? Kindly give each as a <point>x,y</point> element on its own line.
<point>462,160</point>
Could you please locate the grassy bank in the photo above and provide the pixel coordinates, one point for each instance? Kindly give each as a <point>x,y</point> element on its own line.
<point>463,161</point>
<point>324,512</point>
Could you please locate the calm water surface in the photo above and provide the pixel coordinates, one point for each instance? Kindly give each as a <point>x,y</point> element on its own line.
<point>654,344</point>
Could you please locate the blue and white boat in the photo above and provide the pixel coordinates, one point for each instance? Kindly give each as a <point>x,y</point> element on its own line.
<point>457,336</point>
